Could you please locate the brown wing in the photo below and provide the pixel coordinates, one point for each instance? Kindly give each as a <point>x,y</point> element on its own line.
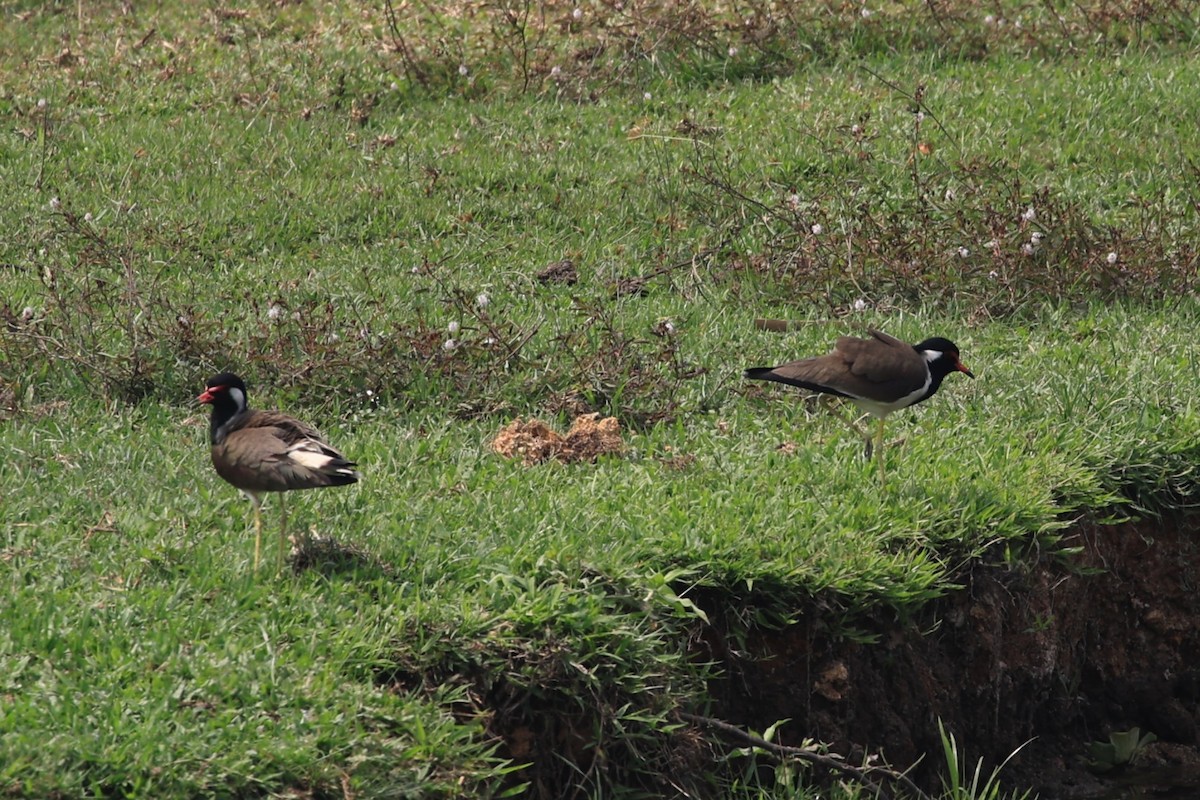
<point>272,452</point>
<point>289,429</point>
<point>884,360</point>
<point>880,368</point>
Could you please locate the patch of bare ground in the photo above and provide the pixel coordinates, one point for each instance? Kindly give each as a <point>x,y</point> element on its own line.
<point>1067,651</point>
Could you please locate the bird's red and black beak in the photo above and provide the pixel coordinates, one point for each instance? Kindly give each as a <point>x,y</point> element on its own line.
<point>961,367</point>
<point>209,394</point>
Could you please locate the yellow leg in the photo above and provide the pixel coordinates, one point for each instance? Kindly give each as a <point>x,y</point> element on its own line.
<point>831,407</point>
<point>282,534</point>
<point>257,535</point>
<point>871,447</point>
<point>878,448</point>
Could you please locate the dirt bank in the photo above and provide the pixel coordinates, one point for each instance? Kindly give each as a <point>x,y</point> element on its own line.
<point>1068,650</point>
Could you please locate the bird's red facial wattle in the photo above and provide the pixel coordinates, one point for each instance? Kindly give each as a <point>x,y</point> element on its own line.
<point>209,394</point>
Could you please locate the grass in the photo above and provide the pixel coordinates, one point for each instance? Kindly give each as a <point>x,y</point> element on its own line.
<point>966,782</point>
<point>245,188</point>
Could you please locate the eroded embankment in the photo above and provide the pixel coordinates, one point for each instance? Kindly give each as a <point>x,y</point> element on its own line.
<point>1067,651</point>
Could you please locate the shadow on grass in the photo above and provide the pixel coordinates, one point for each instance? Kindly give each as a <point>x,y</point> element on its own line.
<point>327,556</point>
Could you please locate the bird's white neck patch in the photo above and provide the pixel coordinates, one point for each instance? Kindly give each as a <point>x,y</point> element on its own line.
<point>239,397</point>
<point>932,355</point>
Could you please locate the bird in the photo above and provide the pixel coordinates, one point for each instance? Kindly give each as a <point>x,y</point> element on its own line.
<point>267,451</point>
<point>880,375</point>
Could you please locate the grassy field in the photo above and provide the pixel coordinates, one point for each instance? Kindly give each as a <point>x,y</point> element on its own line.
<point>351,205</point>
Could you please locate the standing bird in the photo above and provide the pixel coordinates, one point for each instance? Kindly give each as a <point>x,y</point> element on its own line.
<point>266,451</point>
<point>879,375</point>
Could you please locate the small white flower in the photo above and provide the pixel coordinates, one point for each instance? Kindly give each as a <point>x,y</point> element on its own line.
<point>489,341</point>
<point>793,201</point>
<point>949,196</point>
<point>275,311</point>
<point>963,252</point>
<point>920,116</point>
<point>817,229</point>
<point>647,96</point>
<point>1017,23</point>
<point>856,129</point>
<point>555,71</point>
<point>41,103</point>
<point>453,327</point>
<point>1029,214</point>
<point>370,393</point>
<point>989,20</point>
<point>669,327</point>
<point>416,270</point>
<point>1111,258</point>
<point>860,305</point>
<point>1036,237</point>
<point>482,300</point>
<point>990,244</point>
<point>993,274</point>
<point>449,344</point>
<point>577,14</point>
<point>462,70</point>
<point>866,13</point>
<point>87,217</point>
<point>333,338</point>
<point>1027,249</point>
<point>394,87</point>
<point>27,313</point>
<point>733,51</point>
<point>55,203</point>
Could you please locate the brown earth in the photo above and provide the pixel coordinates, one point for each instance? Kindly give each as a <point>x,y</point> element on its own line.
<point>1068,651</point>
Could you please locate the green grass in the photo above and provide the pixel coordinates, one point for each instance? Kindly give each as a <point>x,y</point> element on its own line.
<point>135,626</point>
<point>235,163</point>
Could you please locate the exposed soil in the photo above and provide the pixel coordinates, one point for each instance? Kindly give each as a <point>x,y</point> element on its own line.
<point>1068,651</point>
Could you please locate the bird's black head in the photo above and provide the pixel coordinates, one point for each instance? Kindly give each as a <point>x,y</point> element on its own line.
<point>222,386</point>
<point>226,393</point>
<point>942,355</point>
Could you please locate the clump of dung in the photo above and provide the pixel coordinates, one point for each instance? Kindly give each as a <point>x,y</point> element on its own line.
<point>534,441</point>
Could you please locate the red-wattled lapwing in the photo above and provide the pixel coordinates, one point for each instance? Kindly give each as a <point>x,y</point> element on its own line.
<point>879,375</point>
<point>265,451</point>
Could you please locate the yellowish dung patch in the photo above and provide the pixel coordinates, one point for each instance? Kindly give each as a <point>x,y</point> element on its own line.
<point>533,441</point>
